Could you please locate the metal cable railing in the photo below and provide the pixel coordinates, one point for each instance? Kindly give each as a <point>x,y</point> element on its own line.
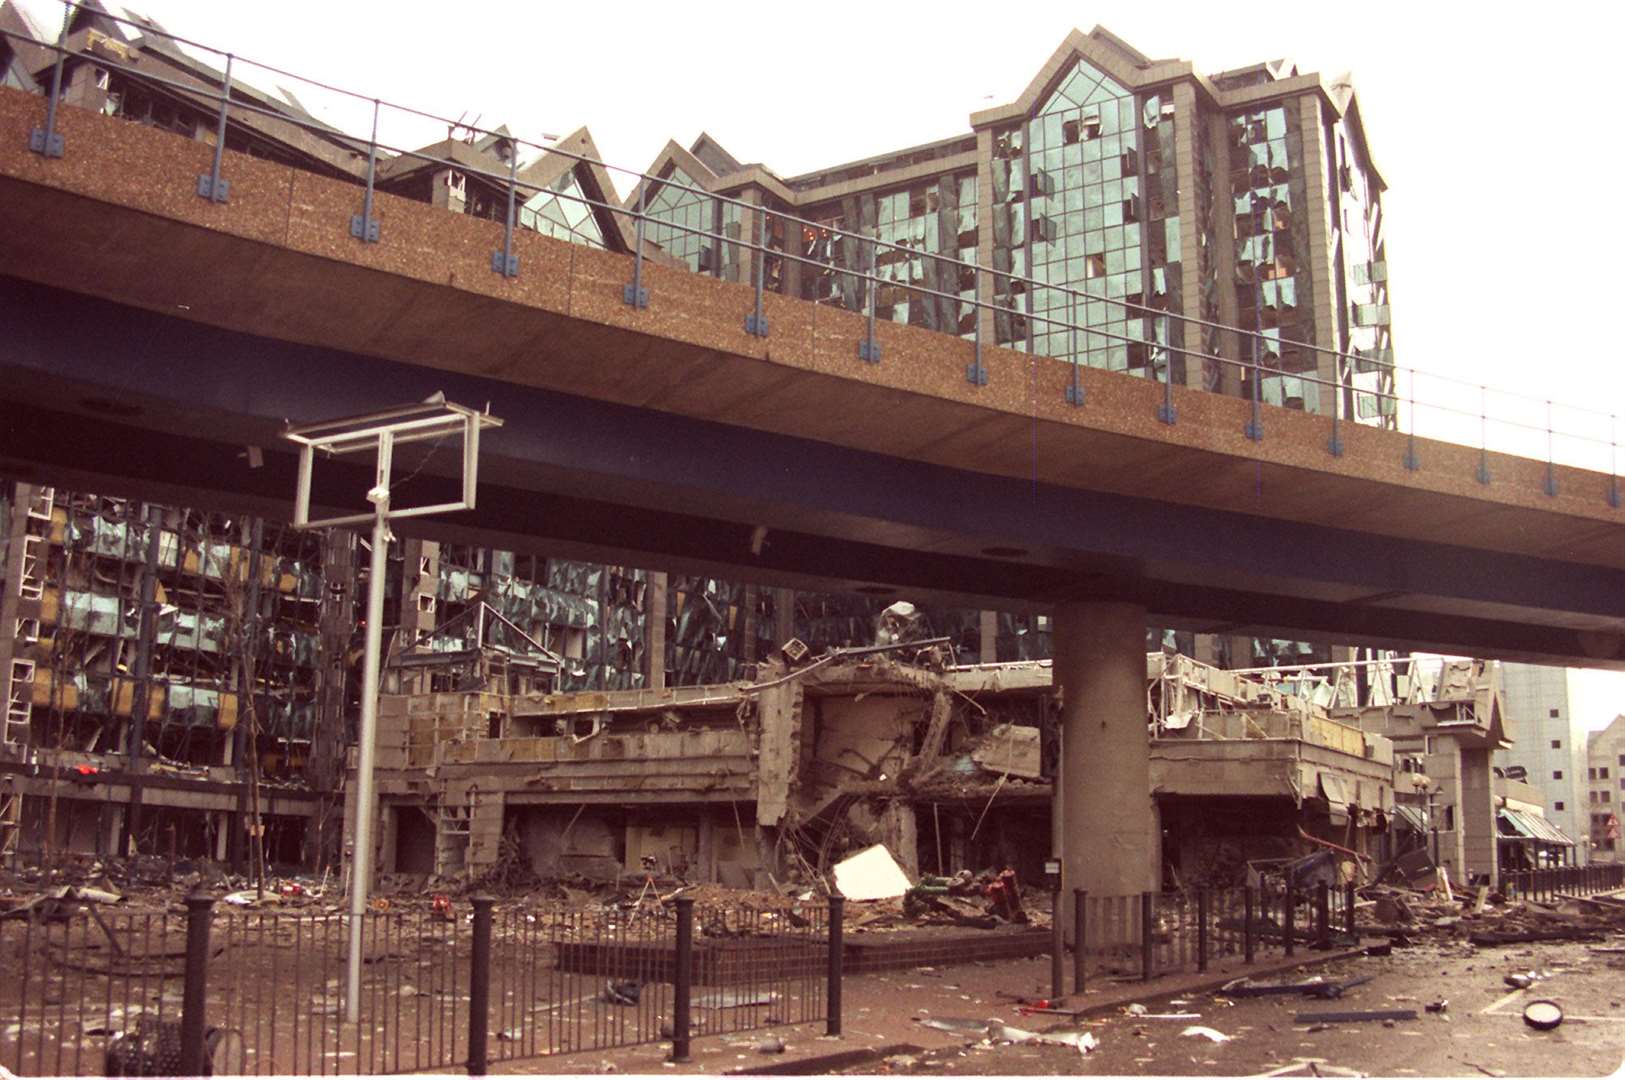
<point>1595,447</point>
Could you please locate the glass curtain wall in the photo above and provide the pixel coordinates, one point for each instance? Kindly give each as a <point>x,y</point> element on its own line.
<point>560,212</point>
<point>1271,232</point>
<point>1087,196</point>
<point>933,224</point>
<point>1365,277</point>
<point>686,223</point>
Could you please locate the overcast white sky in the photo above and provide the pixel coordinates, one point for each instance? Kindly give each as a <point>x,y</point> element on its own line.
<point>1488,122</point>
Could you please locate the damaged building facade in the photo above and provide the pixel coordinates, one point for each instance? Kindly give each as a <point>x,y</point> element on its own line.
<point>950,767</point>
<point>1245,199</point>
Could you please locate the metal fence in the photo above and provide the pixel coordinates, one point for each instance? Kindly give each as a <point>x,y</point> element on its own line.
<point>1558,881</point>
<point>1151,934</point>
<point>101,991</point>
<point>1458,409</point>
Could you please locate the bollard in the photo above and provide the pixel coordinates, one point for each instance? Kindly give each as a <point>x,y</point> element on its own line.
<point>1289,914</point>
<point>1201,929</point>
<point>837,915</point>
<point>1146,941</point>
<point>1348,909</point>
<point>194,993</point>
<point>682,980</point>
<point>1057,945</point>
<point>1323,915</point>
<point>1080,938</point>
<point>1247,924</point>
<point>479,985</point>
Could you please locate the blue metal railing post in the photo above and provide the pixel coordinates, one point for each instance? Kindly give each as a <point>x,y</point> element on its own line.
<point>716,257</point>
<point>1483,435</point>
<point>1074,392</point>
<point>47,141</point>
<point>1255,426</point>
<point>1613,460</point>
<point>975,373</point>
<point>1551,464</point>
<point>1166,412</point>
<point>635,295</point>
<point>869,348</point>
<point>756,323</point>
<point>976,318</point>
<point>1335,447</point>
<point>1412,462</point>
<point>211,187</point>
<point>363,226</point>
<point>505,262</point>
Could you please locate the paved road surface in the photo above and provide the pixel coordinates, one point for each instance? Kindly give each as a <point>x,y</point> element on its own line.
<point>1481,1033</point>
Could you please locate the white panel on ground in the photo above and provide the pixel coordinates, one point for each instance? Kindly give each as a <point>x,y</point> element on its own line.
<point>871,874</point>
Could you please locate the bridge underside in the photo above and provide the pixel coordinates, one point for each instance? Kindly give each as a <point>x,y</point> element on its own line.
<point>114,398</point>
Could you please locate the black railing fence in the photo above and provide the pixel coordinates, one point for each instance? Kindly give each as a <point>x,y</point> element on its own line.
<point>216,989</point>
<point>1556,881</point>
<point>1151,934</point>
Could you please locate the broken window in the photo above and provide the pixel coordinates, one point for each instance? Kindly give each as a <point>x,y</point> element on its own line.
<point>1096,211</point>
<point>1266,184</point>
<point>933,225</point>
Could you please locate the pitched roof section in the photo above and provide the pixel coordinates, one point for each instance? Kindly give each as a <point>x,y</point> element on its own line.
<point>1102,48</point>
<point>708,150</point>
<point>673,155</point>
<point>594,178</point>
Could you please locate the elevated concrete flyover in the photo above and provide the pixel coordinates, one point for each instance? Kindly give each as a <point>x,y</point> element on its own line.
<point>150,336</point>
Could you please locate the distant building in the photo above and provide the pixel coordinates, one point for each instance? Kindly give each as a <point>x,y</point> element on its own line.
<point>1549,743</point>
<point>1605,775</point>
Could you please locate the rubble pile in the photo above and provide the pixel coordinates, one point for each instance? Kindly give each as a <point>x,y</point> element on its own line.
<point>1409,916</point>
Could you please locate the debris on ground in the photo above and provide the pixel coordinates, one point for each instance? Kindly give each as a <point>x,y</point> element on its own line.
<point>622,992</point>
<point>997,1031</point>
<point>1314,986</point>
<point>1206,1033</point>
<point>1543,1015</point>
<point>1355,1017</point>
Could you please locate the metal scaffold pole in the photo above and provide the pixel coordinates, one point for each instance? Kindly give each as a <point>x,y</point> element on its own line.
<point>367,738</point>
<point>433,420</point>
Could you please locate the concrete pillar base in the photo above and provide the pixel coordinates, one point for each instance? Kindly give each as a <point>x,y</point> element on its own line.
<point>1110,831</point>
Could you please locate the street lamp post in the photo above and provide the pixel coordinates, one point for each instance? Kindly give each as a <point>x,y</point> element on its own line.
<point>379,433</point>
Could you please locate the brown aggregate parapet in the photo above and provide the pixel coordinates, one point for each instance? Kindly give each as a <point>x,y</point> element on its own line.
<point>118,216</point>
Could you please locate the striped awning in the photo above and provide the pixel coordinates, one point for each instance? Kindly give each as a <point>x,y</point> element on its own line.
<point>1412,817</point>
<point>1527,826</point>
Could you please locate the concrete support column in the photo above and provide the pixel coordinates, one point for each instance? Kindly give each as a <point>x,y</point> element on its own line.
<point>989,634</point>
<point>705,858</point>
<point>656,597</point>
<point>1443,764</point>
<point>1476,818</point>
<point>784,615</point>
<point>1110,827</point>
<point>899,832</point>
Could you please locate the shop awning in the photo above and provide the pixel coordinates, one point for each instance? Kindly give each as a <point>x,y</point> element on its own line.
<point>1412,817</point>
<point>1527,826</point>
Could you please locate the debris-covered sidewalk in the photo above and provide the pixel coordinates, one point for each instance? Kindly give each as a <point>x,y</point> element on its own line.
<point>883,1028</point>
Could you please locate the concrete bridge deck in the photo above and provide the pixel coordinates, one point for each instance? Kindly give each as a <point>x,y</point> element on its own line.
<point>151,335</point>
